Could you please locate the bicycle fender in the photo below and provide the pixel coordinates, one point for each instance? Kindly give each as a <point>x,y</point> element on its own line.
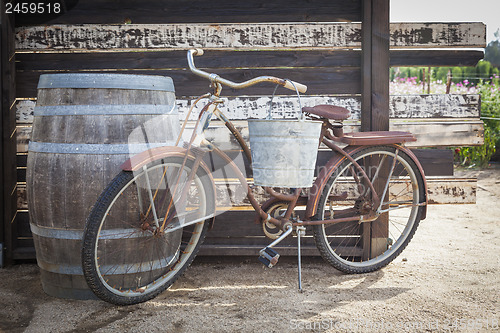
<point>408,151</point>
<point>139,160</point>
<point>327,170</point>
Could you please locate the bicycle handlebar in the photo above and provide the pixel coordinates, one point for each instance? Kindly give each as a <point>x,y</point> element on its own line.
<point>216,78</point>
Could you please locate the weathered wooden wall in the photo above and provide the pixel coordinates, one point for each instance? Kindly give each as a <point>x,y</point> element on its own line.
<point>321,48</point>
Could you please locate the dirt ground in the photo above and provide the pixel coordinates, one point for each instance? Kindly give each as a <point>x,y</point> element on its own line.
<point>447,279</point>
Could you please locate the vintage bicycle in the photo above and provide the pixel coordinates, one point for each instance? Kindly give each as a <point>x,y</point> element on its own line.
<point>363,206</point>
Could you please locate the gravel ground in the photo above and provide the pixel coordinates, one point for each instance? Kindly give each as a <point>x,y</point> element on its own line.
<point>446,280</point>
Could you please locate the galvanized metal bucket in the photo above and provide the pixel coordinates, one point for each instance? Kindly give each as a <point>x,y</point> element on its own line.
<point>284,151</point>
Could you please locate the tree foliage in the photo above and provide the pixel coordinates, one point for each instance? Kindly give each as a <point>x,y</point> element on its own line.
<point>492,51</point>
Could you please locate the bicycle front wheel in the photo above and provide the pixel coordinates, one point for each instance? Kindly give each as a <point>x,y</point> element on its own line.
<point>127,256</point>
<point>354,247</point>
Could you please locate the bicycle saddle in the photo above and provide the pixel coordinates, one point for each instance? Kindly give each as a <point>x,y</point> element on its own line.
<point>328,111</point>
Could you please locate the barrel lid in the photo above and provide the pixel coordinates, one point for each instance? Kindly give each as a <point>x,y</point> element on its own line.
<point>106,81</point>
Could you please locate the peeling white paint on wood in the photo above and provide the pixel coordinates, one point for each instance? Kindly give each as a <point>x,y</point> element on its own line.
<point>451,190</point>
<point>183,36</point>
<point>24,111</point>
<point>245,107</point>
<point>438,34</point>
<point>243,35</point>
<point>434,106</point>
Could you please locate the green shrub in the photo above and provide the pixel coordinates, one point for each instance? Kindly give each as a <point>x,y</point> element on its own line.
<point>479,155</point>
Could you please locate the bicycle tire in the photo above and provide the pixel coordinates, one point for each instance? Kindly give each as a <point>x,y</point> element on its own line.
<point>346,246</point>
<point>125,259</point>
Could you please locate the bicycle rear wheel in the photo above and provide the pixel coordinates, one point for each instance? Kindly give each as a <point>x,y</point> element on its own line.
<point>354,247</point>
<point>126,258</point>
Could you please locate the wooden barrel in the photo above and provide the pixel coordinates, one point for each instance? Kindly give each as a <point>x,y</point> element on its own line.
<point>85,126</point>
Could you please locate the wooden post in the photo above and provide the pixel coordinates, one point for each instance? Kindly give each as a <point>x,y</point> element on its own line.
<point>449,76</point>
<point>375,99</point>
<point>424,80</point>
<point>428,80</point>
<point>375,66</point>
<point>8,133</point>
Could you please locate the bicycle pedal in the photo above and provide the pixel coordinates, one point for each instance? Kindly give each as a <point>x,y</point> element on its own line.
<point>268,257</point>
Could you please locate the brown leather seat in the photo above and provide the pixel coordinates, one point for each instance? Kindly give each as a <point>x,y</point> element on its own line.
<point>328,111</point>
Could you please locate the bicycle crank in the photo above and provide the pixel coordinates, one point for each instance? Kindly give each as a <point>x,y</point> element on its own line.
<point>276,210</point>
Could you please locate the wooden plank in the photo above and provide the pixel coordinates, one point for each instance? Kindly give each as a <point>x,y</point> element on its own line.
<point>79,61</point>
<point>184,36</point>
<point>22,197</point>
<point>249,36</point>
<point>236,108</point>
<point>176,59</point>
<point>452,190</point>
<point>442,133</point>
<point>400,107</point>
<point>22,138</point>
<point>436,162</point>
<point>435,58</point>
<point>320,81</point>
<point>435,106</point>
<point>25,253</point>
<point>21,173</point>
<point>21,162</point>
<point>196,11</point>
<point>442,190</point>
<point>438,34</point>
<point>24,111</point>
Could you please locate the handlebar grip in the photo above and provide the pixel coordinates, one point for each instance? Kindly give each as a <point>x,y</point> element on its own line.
<point>292,85</point>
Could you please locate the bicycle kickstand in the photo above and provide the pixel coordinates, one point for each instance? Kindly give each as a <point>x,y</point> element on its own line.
<point>269,257</point>
<point>301,231</point>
